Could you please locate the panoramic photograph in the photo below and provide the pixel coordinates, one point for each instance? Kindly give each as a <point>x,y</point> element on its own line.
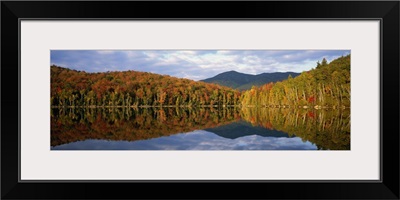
<point>200,100</point>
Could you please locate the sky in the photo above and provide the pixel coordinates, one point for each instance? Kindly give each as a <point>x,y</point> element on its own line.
<point>193,64</point>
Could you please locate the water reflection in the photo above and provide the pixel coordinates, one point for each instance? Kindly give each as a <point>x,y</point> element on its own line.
<point>196,140</point>
<point>328,129</point>
<point>199,129</point>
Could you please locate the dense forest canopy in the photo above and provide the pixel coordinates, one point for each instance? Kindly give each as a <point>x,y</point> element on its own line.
<point>133,88</point>
<point>328,85</point>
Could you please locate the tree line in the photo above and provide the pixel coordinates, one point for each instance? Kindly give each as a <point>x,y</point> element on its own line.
<point>328,85</point>
<point>72,88</point>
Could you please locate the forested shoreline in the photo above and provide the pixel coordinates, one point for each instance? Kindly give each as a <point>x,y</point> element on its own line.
<point>328,85</point>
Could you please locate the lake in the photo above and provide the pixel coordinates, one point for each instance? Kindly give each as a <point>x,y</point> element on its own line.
<point>176,128</point>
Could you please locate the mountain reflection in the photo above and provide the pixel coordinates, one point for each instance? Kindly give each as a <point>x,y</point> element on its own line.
<point>232,127</point>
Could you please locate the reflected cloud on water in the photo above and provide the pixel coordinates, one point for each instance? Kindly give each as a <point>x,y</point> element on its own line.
<point>196,140</point>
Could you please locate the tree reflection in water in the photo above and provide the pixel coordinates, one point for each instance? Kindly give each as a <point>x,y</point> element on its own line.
<point>328,129</point>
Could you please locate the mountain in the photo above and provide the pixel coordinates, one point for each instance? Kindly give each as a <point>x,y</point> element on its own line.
<point>241,81</point>
<point>243,128</point>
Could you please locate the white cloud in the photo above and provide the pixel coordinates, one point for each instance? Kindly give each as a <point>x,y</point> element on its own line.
<point>191,76</point>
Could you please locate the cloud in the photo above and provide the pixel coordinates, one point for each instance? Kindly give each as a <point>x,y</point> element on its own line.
<point>195,65</point>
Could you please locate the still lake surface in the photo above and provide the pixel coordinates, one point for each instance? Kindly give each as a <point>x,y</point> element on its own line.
<point>230,128</point>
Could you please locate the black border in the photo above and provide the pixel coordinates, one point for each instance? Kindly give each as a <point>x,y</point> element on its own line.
<point>195,19</point>
<point>386,11</point>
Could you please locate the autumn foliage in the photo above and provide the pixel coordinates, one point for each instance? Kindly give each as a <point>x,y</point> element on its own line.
<point>328,85</point>
<point>132,89</point>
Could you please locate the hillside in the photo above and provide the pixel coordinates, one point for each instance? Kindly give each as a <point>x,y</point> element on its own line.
<point>328,85</point>
<point>132,89</point>
<point>243,81</point>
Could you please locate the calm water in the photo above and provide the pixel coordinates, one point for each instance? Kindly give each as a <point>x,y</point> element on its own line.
<point>199,129</point>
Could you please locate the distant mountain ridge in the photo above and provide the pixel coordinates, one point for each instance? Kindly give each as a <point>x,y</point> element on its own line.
<point>242,81</point>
